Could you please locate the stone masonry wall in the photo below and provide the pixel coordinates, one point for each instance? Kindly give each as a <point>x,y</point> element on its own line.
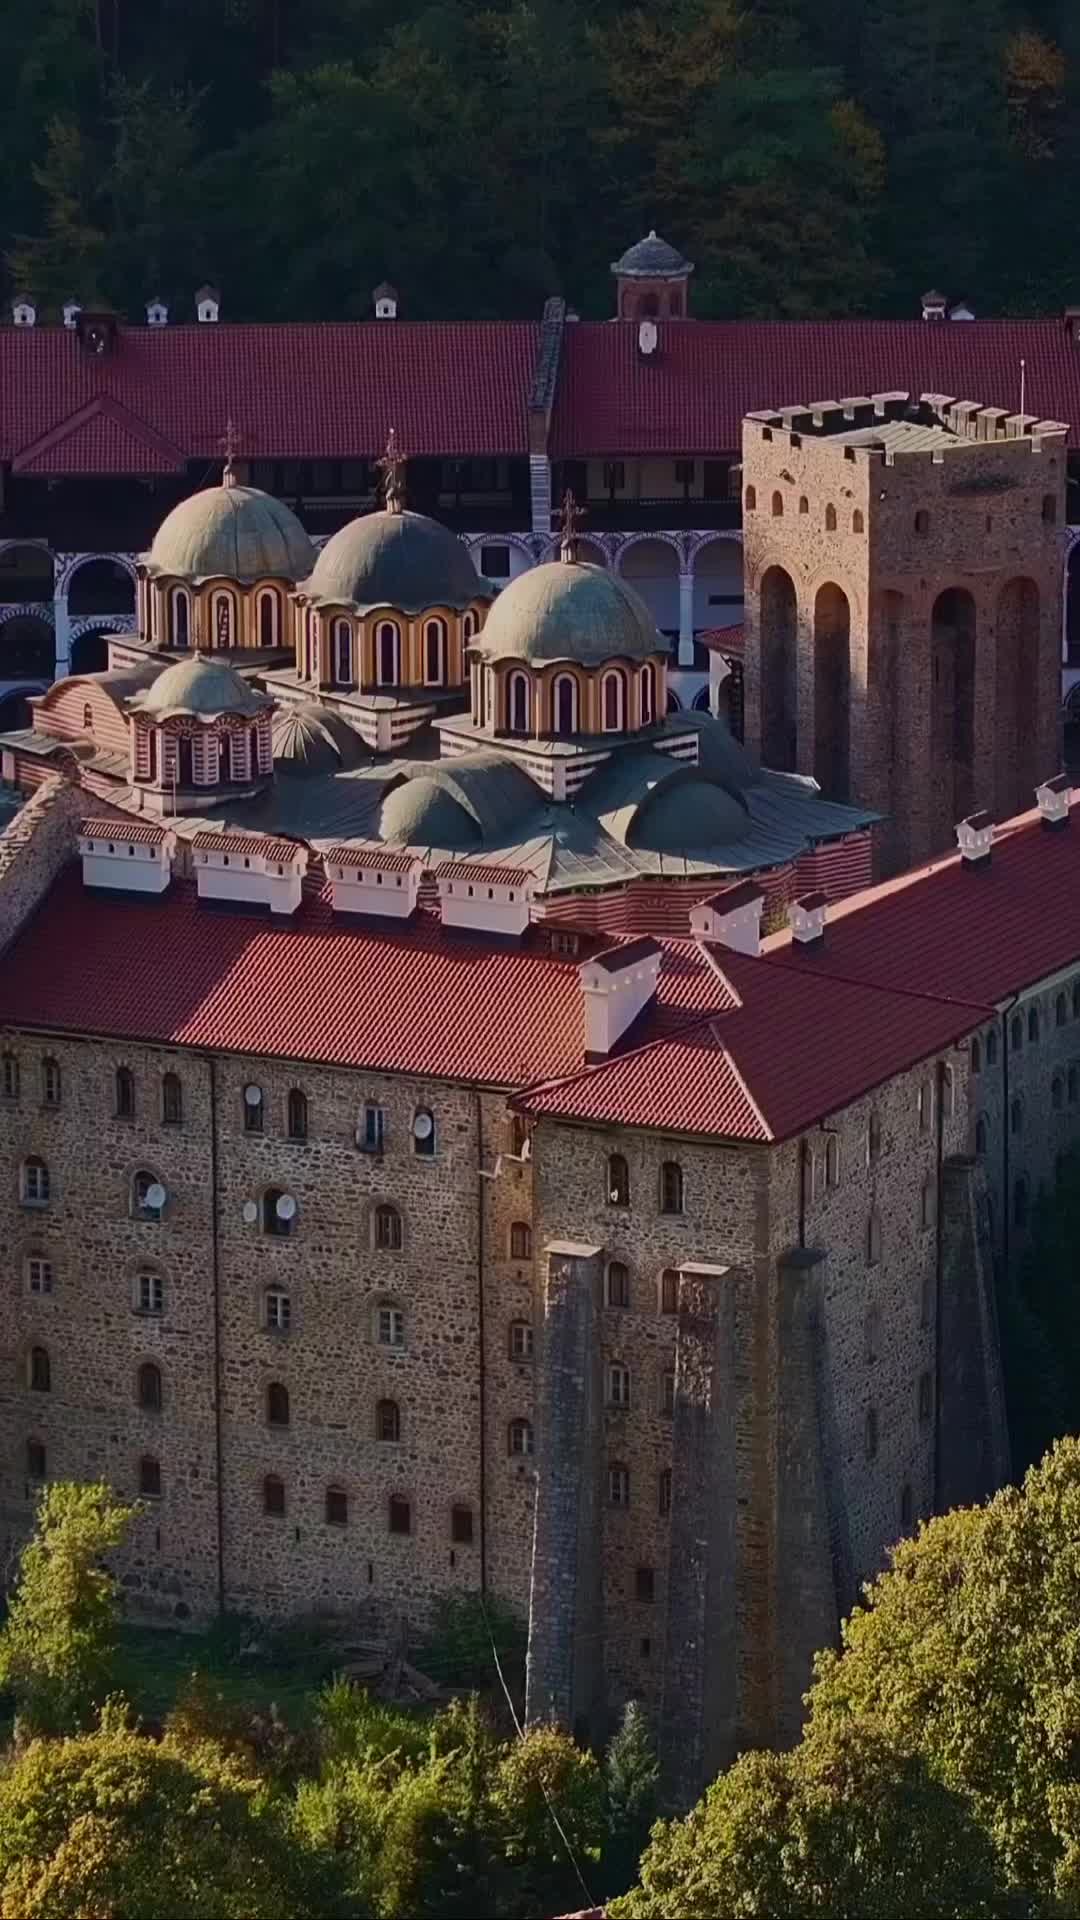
<point>34,846</point>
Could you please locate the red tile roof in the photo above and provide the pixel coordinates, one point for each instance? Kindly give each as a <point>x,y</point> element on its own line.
<point>145,832</point>
<point>377,859</point>
<point>264,845</point>
<point>726,640</point>
<point>484,876</point>
<point>296,392</point>
<point>691,396</point>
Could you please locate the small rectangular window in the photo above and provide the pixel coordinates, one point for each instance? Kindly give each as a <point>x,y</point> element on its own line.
<point>400,1515</point>
<point>521,1340</point>
<point>391,1327</point>
<point>151,1293</point>
<point>373,1129</point>
<point>645,1583</point>
<point>461,1526</point>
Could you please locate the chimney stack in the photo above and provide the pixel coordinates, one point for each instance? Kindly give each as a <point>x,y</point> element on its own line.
<point>386,301</point>
<point>23,311</point>
<point>806,917</point>
<point>1072,324</point>
<point>732,917</point>
<point>208,305</point>
<point>975,837</point>
<point>934,305</point>
<point>72,310</point>
<point>1053,799</point>
<point>617,984</point>
<point>157,313</point>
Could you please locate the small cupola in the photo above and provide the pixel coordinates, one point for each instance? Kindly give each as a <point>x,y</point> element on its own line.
<point>474,898</point>
<point>250,870</point>
<point>385,299</point>
<point>1054,799</point>
<point>71,312</point>
<point>23,311</point>
<point>934,305</point>
<point>732,916</point>
<point>617,986</point>
<point>806,918</point>
<point>126,856</point>
<point>374,881</point>
<point>208,306</point>
<point>975,838</point>
<point>652,280</point>
<point>157,313</point>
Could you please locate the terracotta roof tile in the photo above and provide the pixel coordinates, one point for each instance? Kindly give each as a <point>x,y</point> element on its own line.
<point>484,876</point>
<point>263,845</point>
<point>376,859</point>
<point>145,832</point>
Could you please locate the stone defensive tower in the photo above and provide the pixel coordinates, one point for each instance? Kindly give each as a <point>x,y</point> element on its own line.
<point>903,606</point>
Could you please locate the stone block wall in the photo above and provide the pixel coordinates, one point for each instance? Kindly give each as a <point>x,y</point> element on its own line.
<point>34,846</point>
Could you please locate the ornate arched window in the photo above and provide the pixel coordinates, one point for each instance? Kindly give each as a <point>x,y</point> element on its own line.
<point>387,654</point>
<point>150,1394</point>
<point>343,653</point>
<point>277,1404</point>
<point>468,625</point>
<point>648,695</point>
<point>564,704</point>
<point>613,702</point>
<point>517,702</point>
<point>221,616</point>
<point>268,619</point>
<point>179,618</point>
<point>434,653</point>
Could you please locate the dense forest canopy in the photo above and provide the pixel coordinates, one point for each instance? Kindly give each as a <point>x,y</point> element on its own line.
<point>812,156</point>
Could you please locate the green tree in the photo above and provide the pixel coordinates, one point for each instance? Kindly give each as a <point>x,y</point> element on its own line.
<point>109,1824</point>
<point>57,1643</point>
<point>67,256</point>
<point>548,1800</point>
<point>631,1776</point>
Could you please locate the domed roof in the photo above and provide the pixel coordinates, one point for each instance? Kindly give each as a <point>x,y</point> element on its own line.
<point>401,560</point>
<point>684,814</point>
<point>652,259</point>
<point>422,813</point>
<point>309,738</point>
<point>720,755</point>
<point>569,610</point>
<point>200,685</point>
<point>234,531</point>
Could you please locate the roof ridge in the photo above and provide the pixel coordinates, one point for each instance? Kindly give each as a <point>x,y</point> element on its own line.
<point>766,1125</point>
<point>877,986</point>
<point>590,1068</point>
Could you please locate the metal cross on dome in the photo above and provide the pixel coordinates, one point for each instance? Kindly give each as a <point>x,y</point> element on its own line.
<point>230,444</point>
<point>571,515</point>
<point>392,468</point>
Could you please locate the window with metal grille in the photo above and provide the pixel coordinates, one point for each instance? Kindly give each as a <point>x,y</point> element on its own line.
<point>387,1229</point>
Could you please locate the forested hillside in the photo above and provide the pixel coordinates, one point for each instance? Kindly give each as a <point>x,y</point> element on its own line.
<point>813,156</point>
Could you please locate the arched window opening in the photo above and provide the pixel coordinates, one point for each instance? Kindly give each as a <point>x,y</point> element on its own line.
<point>468,625</point>
<point>297,1114</point>
<point>268,620</point>
<point>343,654</point>
<point>618,1181</point>
<point>150,1477</point>
<point>928,1202</point>
<point>35,1182</point>
<point>777,506</point>
<point>520,1437</point>
<point>520,1241</point>
<point>179,618</point>
<point>150,1387</point>
<point>147,1195</point>
<point>388,1234</point>
<point>564,701</point>
<point>278,1213</point>
<point>1033,1025</point>
<point>830,518</point>
<point>277,1404</point>
<point>222,610</point>
<point>172,1100</point>
<point>425,1136</point>
<point>387,1421</point>
<point>669,1290</point>
<point>1061,1011</point>
<point>387,654</point>
<point>274,1496</point>
<point>613,702</point>
<point>1016,1116</point>
<point>832,682</point>
<point>779,669</point>
<point>253,1109</point>
<point>125,1094</point>
<point>648,695</point>
<point>40,1370</point>
<point>434,653</point>
<point>671,1187</point>
<point>518,703</point>
<point>750,499</point>
<point>857,521</point>
<point>337,1507</point>
<point>618,1284</point>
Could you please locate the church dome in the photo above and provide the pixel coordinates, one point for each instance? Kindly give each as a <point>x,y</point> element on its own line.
<point>569,610</point>
<point>199,686</point>
<point>651,259</point>
<point>691,813</point>
<point>399,560</point>
<point>309,738</point>
<point>233,531</point>
<point>423,813</point>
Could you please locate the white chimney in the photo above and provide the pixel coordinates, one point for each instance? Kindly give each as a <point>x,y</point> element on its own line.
<point>961,311</point>
<point>617,984</point>
<point>386,301</point>
<point>648,338</point>
<point>480,899</point>
<point>72,310</point>
<point>806,918</point>
<point>23,311</point>
<point>1053,800</point>
<point>207,305</point>
<point>374,881</point>
<point>251,868</point>
<point>934,305</point>
<point>732,916</point>
<point>975,837</point>
<point>157,313</point>
<point>126,856</point>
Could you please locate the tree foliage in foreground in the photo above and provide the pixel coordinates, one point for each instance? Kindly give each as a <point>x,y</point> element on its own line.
<point>938,1774</point>
<point>57,1642</point>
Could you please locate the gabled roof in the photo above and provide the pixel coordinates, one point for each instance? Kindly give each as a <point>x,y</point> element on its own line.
<point>691,395</point>
<point>101,437</point>
<point>295,392</point>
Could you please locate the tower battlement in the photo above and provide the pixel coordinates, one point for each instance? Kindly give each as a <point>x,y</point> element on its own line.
<point>885,426</point>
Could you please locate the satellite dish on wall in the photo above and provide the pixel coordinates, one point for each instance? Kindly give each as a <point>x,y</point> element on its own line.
<point>423,1126</point>
<point>286,1207</point>
<point>156,1196</point>
<point>251,1212</point>
<point>647,337</point>
<point>253,1096</point>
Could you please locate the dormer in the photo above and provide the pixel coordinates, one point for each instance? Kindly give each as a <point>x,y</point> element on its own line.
<point>207,305</point>
<point>731,916</point>
<point>975,838</point>
<point>126,856</point>
<point>374,881</point>
<point>23,311</point>
<point>617,985</point>
<point>385,298</point>
<point>1054,799</point>
<point>71,310</point>
<point>157,313</point>
<point>483,899</point>
<point>249,869</point>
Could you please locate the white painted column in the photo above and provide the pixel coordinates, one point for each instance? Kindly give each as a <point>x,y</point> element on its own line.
<point>686,619</point>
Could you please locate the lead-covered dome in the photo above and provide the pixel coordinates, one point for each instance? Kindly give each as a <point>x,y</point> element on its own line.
<point>237,532</point>
<point>651,259</point>
<point>569,610</point>
<point>399,560</point>
<point>200,686</point>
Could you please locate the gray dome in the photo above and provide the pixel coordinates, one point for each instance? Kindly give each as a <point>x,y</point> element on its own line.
<point>422,813</point>
<point>720,756</point>
<point>309,738</point>
<point>401,560</point>
<point>568,610</point>
<point>652,259</point>
<point>200,685</point>
<point>233,531</point>
<point>684,814</point>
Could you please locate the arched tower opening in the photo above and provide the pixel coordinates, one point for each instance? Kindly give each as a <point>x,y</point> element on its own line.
<point>832,680</point>
<point>779,670</point>
<point>952,711</point>
<point>1016,741</point>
